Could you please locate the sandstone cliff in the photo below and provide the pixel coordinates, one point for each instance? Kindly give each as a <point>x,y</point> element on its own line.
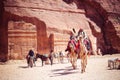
<point>53,21</point>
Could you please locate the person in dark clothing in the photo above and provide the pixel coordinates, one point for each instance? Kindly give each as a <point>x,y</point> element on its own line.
<point>30,54</point>
<point>87,43</point>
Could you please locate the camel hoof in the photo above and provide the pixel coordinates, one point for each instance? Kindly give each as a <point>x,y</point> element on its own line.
<point>74,67</point>
<point>81,71</point>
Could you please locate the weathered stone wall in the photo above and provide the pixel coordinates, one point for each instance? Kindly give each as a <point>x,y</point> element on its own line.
<point>109,13</point>
<point>59,19</point>
<point>22,37</point>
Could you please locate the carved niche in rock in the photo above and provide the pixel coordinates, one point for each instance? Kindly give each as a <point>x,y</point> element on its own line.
<point>22,37</point>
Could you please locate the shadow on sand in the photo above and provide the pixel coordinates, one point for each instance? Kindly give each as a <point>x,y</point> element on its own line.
<point>114,69</point>
<point>66,71</point>
<point>24,67</point>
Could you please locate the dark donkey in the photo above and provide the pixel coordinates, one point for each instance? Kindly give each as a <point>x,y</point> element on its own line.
<point>45,57</point>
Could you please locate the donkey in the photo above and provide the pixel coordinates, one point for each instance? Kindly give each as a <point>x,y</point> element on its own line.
<point>45,58</point>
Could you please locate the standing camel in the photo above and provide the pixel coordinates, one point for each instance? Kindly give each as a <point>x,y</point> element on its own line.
<point>72,55</point>
<point>73,58</point>
<point>83,55</point>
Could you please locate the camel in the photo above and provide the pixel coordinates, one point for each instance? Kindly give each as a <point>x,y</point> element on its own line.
<point>73,58</point>
<point>72,55</point>
<point>83,55</point>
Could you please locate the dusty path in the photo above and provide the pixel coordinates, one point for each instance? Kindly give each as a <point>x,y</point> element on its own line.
<point>96,70</point>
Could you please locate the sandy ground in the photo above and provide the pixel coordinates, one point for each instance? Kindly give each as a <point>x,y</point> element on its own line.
<point>96,70</point>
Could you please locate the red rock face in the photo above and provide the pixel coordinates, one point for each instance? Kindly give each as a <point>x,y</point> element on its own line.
<point>109,13</point>
<point>22,37</point>
<point>54,21</point>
